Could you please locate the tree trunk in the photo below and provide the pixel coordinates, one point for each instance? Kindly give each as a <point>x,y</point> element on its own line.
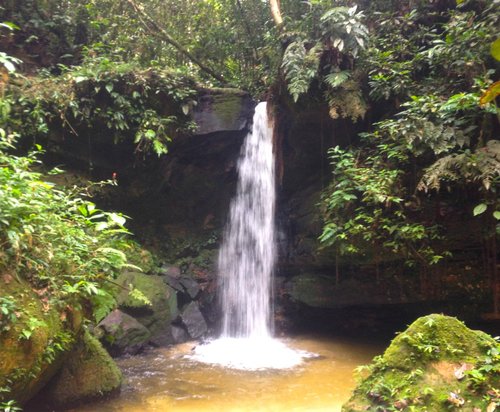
<point>157,31</point>
<point>276,13</point>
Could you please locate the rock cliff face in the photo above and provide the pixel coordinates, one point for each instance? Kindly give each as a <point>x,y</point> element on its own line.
<point>189,188</point>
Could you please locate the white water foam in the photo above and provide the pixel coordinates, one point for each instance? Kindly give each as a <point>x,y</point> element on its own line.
<point>246,262</point>
<point>249,354</point>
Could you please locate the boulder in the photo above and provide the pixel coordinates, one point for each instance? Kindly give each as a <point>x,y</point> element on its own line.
<point>190,285</point>
<point>193,321</point>
<point>35,338</point>
<point>121,333</point>
<point>163,337</point>
<point>179,334</point>
<point>173,282</point>
<point>161,308</point>
<point>437,364</point>
<point>88,373</point>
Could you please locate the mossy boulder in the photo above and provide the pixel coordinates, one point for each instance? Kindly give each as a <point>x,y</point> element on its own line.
<point>35,338</point>
<point>121,333</point>
<point>437,364</point>
<point>88,373</point>
<point>158,308</point>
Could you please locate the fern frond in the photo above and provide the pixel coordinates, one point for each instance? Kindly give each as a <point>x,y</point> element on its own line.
<point>337,78</point>
<point>481,167</point>
<point>301,67</point>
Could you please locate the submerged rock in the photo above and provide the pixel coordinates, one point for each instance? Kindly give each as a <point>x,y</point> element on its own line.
<point>437,364</point>
<point>194,321</point>
<point>88,373</point>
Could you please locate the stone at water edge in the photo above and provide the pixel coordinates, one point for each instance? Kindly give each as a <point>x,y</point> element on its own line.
<point>179,334</point>
<point>420,366</point>
<point>88,373</point>
<point>194,321</point>
<point>121,333</point>
<point>157,315</point>
<point>24,368</point>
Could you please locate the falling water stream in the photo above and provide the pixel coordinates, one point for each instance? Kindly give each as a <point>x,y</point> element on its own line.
<point>245,369</point>
<point>246,262</point>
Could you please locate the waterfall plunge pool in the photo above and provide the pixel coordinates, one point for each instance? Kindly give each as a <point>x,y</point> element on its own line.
<point>170,379</point>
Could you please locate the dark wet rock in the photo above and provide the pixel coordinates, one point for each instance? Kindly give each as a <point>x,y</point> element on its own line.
<point>121,333</point>
<point>173,282</point>
<point>191,286</point>
<point>179,334</point>
<point>193,320</point>
<point>163,337</point>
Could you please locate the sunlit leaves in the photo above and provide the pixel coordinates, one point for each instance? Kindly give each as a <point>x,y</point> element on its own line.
<point>480,209</point>
<point>490,94</point>
<point>342,27</point>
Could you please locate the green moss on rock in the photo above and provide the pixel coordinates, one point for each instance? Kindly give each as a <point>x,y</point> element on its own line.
<point>35,344</point>
<point>158,311</point>
<point>437,364</point>
<point>88,373</point>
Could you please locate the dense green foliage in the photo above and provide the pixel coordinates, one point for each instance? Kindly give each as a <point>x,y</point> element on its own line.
<point>62,244</point>
<point>149,107</point>
<point>430,67</point>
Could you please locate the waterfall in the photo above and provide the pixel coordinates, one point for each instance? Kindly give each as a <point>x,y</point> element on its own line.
<point>246,261</point>
<point>247,254</point>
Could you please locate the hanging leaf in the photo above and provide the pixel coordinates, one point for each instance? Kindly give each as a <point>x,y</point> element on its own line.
<point>479,209</point>
<point>496,214</point>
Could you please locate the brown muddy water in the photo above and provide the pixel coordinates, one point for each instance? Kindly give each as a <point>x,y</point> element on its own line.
<point>164,379</point>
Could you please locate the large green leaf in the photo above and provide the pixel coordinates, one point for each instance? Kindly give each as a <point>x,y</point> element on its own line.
<point>479,209</point>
